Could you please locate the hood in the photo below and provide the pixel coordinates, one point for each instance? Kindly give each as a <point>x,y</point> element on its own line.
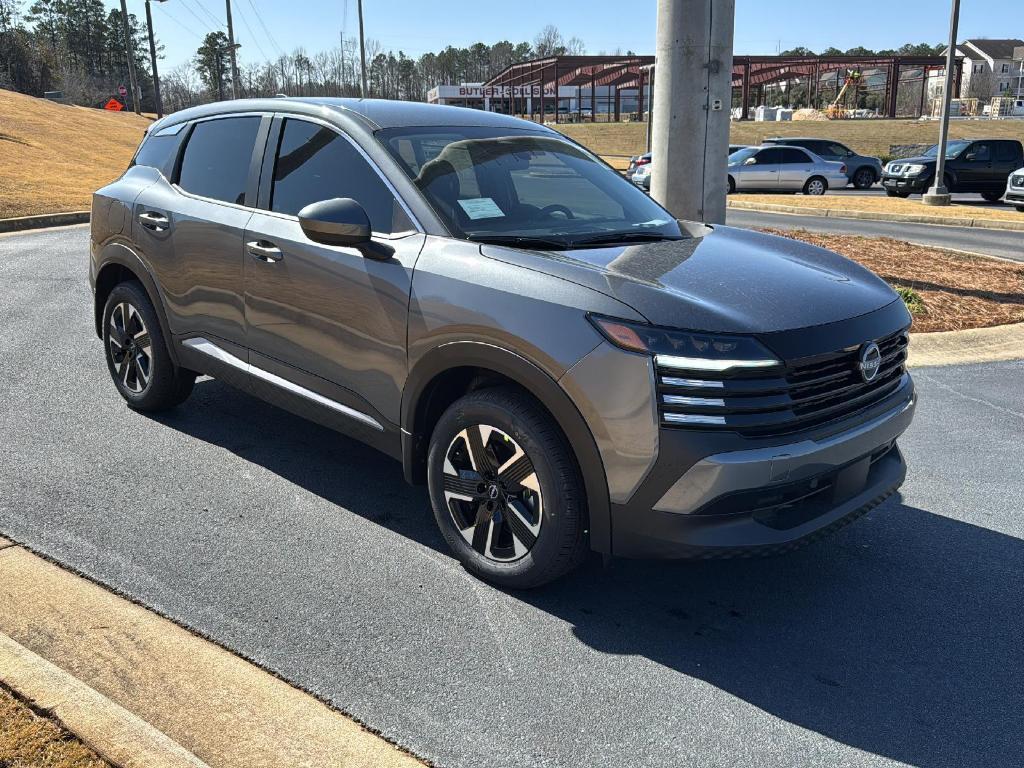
<point>919,160</point>
<point>723,279</point>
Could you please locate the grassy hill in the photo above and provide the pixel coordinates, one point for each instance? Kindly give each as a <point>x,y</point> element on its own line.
<point>52,156</point>
<point>872,137</point>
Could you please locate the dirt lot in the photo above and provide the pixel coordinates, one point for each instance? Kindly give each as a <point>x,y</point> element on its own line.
<point>872,137</point>
<point>52,156</point>
<point>840,201</point>
<point>956,291</point>
<point>30,741</point>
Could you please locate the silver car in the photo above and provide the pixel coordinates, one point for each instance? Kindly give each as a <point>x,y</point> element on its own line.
<point>783,169</point>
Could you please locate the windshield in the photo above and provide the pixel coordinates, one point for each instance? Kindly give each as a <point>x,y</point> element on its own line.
<point>740,155</point>
<point>524,188</point>
<point>953,148</point>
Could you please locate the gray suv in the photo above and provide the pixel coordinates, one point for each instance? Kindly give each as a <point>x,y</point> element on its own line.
<point>565,365</point>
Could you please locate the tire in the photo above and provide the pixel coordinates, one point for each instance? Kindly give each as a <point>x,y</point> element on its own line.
<point>864,178</point>
<point>150,381</point>
<point>476,507</point>
<point>732,185</point>
<point>1020,208</point>
<point>816,186</point>
<point>992,197</point>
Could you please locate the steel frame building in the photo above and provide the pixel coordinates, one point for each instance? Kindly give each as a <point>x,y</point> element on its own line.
<point>601,80</point>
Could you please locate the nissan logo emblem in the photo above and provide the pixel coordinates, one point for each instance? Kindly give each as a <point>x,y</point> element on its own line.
<point>870,361</point>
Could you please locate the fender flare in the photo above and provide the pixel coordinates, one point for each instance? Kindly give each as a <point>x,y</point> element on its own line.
<point>119,254</point>
<point>537,382</point>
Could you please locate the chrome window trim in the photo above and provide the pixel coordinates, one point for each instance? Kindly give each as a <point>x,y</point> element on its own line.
<point>369,161</point>
<point>208,348</point>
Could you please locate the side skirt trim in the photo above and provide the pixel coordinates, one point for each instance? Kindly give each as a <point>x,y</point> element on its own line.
<point>210,349</point>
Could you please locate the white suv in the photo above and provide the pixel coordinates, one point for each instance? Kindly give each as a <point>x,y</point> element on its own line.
<point>1015,189</point>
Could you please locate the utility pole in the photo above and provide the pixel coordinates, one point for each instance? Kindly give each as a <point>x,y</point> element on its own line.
<point>152,59</point>
<point>362,55</point>
<point>938,194</point>
<point>130,55</point>
<point>691,107</point>
<point>231,50</point>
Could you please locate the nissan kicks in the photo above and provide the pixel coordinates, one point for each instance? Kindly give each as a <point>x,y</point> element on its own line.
<point>565,365</point>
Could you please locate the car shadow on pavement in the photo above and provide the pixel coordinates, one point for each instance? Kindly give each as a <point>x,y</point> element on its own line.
<point>902,636</point>
<point>315,458</point>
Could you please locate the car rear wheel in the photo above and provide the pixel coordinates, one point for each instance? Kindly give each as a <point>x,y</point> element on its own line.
<point>1020,208</point>
<point>815,186</point>
<point>505,489</point>
<point>863,178</point>
<point>992,197</point>
<point>137,355</point>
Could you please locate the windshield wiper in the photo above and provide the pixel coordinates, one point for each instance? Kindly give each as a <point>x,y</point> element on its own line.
<point>521,241</point>
<point>612,238</point>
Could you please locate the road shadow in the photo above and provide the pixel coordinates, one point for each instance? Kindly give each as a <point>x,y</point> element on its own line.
<point>320,460</point>
<point>902,636</point>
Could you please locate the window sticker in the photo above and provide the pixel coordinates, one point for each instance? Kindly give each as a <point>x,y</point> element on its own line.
<point>481,208</point>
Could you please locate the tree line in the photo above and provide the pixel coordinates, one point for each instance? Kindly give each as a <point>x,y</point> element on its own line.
<point>907,49</point>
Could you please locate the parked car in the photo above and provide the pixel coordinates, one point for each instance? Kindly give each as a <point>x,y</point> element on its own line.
<point>1015,189</point>
<point>862,170</point>
<point>783,169</point>
<point>639,171</point>
<point>564,364</point>
<point>980,165</point>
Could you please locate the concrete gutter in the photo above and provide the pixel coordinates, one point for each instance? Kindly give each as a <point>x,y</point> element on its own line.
<point>977,345</point>
<point>45,220</point>
<point>145,693</point>
<point>829,213</point>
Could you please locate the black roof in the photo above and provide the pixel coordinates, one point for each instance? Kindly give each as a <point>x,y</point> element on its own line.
<point>996,49</point>
<point>370,114</point>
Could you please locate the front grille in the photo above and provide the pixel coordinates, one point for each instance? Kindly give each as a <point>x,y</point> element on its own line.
<point>796,395</point>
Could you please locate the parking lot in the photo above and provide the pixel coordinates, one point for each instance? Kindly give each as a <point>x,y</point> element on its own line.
<point>896,641</point>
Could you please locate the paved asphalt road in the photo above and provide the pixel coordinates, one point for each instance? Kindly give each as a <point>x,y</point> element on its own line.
<point>898,640</point>
<point>1007,244</point>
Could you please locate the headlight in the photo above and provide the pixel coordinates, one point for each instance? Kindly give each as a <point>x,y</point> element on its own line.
<point>913,170</point>
<point>686,350</point>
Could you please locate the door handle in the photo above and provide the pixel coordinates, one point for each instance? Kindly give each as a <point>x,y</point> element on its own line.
<point>264,250</point>
<point>155,221</point>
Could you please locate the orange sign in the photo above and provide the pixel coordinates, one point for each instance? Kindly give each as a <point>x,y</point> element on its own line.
<point>114,105</point>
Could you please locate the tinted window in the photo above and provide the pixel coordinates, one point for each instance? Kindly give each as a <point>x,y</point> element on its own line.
<point>158,152</point>
<point>216,161</point>
<point>316,163</point>
<point>979,153</point>
<point>791,155</point>
<point>832,149</point>
<point>1006,152</point>
<point>771,156</point>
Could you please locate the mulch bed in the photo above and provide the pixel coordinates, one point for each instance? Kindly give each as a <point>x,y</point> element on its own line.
<point>958,291</point>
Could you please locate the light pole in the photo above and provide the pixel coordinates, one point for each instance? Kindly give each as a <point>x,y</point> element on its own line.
<point>152,59</point>
<point>938,194</point>
<point>362,55</point>
<point>130,55</point>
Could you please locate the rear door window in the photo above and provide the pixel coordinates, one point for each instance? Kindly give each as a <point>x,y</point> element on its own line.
<point>317,163</point>
<point>1007,152</point>
<point>217,158</point>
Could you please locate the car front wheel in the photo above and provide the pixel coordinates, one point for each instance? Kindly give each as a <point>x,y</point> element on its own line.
<point>815,186</point>
<point>137,355</point>
<point>505,489</point>
<point>992,197</point>
<point>863,178</point>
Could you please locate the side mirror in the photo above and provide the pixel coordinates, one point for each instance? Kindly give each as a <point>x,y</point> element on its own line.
<point>339,221</point>
<point>970,157</point>
<point>750,161</point>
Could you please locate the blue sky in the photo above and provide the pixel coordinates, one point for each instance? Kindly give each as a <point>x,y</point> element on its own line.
<point>417,26</point>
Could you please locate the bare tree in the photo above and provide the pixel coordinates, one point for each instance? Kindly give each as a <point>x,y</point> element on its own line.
<point>575,47</point>
<point>549,42</point>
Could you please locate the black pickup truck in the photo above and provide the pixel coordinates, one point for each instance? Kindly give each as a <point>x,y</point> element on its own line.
<point>979,165</point>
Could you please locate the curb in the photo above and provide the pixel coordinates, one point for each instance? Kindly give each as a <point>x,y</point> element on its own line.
<point>18,223</point>
<point>974,345</point>
<point>829,213</point>
<point>113,732</point>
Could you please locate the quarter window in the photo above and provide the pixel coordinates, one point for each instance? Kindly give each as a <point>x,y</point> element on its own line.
<point>217,157</point>
<point>159,151</point>
<point>316,163</point>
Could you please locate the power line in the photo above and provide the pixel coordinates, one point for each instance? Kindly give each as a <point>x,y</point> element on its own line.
<point>255,40</point>
<point>203,24</point>
<point>217,22</point>
<point>165,12</point>
<point>266,31</point>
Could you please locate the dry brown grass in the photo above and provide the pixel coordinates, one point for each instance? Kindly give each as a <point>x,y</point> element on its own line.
<point>958,291</point>
<point>841,202</point>
<point>871,137</point>
<point>52,156</point>
<point>30,741</point>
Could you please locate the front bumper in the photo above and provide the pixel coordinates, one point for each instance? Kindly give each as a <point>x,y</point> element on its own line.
<point>1014,195</point>
<point>909,184</point>
<point>741,502</point>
